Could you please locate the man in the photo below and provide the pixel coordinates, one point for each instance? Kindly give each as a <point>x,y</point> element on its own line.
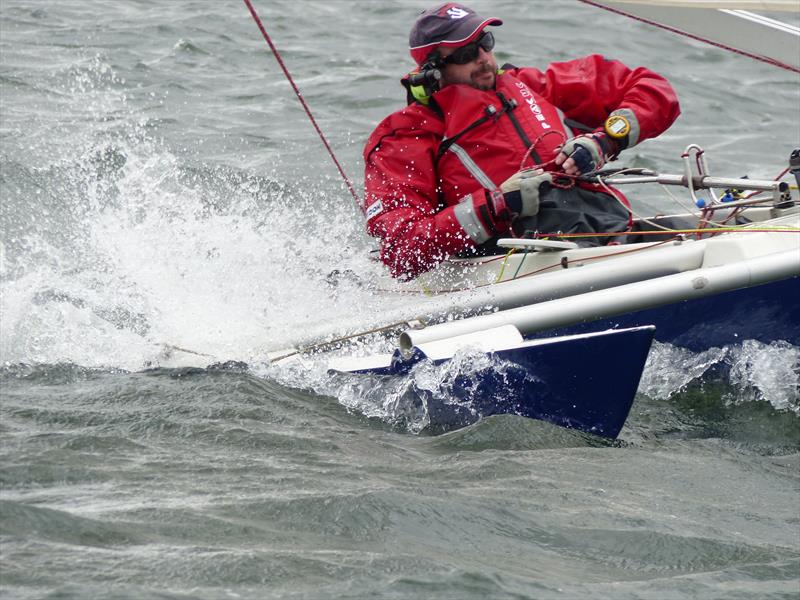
<point>482,152</point>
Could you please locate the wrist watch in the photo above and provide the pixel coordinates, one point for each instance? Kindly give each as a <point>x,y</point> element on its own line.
<point>617,127</point>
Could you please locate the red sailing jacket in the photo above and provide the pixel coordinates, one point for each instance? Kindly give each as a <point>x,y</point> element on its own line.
<point>426,203</point>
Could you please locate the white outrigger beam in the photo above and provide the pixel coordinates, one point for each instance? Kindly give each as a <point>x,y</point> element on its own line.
<point>639,266</point>
<point>641,295</point>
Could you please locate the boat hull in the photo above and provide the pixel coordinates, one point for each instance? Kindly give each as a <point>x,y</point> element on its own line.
<point>767,313</point>
<point>585,382</point>
<point>582,311</point>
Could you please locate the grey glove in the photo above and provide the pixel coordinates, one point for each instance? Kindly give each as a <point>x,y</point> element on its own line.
<point>521,191</point>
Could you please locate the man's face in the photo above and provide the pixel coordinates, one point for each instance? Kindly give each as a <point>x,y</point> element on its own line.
<point>479,73</point>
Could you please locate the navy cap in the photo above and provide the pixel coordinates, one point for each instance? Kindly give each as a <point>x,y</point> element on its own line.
<point>450,24</point>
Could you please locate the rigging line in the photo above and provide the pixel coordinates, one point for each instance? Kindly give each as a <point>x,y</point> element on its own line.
<point>522,260</point>
<point>736,229</point>
<point>546,267</point>
<point>677,234</point>
<point>311,348</point>
<point>769,61</point>
<point>780,176</point>
<point>302,100</point>
<point>503,265</point>
<point>631,212</point>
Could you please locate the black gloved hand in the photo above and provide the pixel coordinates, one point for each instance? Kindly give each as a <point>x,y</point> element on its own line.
<point>586,153</point>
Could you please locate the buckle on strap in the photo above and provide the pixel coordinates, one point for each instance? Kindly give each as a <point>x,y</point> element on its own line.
<point>498,203</point>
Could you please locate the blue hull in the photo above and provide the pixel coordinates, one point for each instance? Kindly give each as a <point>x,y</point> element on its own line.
<point>586,382</point>
<point>766,313</point>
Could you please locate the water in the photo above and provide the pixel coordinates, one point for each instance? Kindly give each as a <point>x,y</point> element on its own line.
<point>163,192</point>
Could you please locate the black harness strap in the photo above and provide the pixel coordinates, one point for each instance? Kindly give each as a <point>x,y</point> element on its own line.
<point>508,106</point>
<point>491,113</point>
<point>576,126</point>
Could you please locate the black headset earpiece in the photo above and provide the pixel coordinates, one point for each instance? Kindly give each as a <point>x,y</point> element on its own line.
<point>430,73</point>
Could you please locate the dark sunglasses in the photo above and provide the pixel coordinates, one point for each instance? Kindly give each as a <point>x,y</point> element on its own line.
<point>468,53</point>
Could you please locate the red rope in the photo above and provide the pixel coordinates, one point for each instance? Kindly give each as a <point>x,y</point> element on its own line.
<point>560,179</point>
<point>769,61</point>
<point>784,172</point>
<point>533,147</point>
<point>302,100</point>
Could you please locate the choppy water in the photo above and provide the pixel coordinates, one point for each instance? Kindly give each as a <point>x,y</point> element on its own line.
<point>163,190</point>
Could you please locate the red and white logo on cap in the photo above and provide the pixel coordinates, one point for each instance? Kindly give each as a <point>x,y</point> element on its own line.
<point>454,11</point>
<point>457,12</point>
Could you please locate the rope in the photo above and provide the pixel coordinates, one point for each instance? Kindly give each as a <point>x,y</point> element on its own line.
<point>676,236</point>
<point>556,265</point>
<point>532,147</point>
<point>302,100</point>
<point>676,232</point>
<point>335,342</point>
<point>769,61</point>
<point>169,348</point>
<point>522,260</point>
<point>757,192</point>
<point>503,266</point>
